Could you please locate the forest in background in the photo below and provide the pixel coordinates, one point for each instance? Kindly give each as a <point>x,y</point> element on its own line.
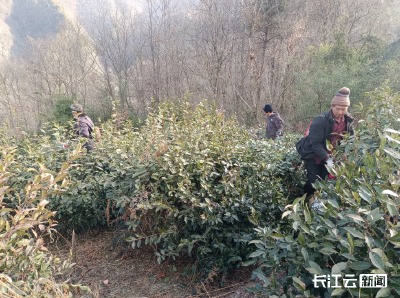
<point>241,55</point>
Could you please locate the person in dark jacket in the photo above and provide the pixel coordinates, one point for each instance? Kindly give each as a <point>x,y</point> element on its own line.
<point>83,126</point>
<point>330,126</point>
<point>274,123</point>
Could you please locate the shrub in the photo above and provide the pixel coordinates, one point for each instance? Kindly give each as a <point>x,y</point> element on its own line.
<point>58,109</point>
<point>188,181</point>
<point>202,182</point>
<point>82,205</point>
<point>91,183</point>
<point>357,230</point>
<point>27,269</point>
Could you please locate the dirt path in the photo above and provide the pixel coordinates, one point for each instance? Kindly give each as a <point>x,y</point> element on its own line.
<point>111,273</point>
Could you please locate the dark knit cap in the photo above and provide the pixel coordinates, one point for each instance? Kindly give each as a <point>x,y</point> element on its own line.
<point>268,109</point>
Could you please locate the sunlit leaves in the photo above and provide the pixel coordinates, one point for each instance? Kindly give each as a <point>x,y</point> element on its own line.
<point>25,257</point>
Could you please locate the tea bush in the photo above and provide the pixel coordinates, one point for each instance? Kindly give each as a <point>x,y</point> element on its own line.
<point>203,181</point>
<point>79,206</point>
<point>91,183</point>
<point>188,181</point>
<point>357,230</point>
<point>27,269</point>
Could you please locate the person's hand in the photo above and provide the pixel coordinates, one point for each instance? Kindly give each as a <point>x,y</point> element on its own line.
<point>329,163</point>
<point>278,133</point>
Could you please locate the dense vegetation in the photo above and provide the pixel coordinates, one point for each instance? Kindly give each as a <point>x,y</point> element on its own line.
<point>27,269</point>
<point>357,230</point>
<point>191,181</point>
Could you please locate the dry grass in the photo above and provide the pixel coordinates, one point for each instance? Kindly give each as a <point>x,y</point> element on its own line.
<point>137,272</point>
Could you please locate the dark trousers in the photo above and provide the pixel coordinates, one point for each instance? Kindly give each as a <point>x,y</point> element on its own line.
<point>314,171</point>
<point>89,145</point>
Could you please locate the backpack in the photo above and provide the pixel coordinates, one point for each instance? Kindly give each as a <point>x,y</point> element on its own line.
<point>302,142</point>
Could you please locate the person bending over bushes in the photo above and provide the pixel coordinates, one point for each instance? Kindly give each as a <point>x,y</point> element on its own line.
<point>331,126</point>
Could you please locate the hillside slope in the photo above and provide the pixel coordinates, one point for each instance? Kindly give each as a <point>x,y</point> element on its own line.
<point>38,18</point>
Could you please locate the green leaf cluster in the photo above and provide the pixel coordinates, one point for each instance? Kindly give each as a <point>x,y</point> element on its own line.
<point>188,181</point>
<point>27,269</point>
<point>203,182</point>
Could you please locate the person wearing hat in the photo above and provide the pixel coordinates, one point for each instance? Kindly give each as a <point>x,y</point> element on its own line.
<point>274,123</point>
<point>83,126</point>
<point>331,126</point>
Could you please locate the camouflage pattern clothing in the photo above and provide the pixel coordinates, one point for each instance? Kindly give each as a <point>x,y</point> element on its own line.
<point>274,125</point>
<point>83,127</point>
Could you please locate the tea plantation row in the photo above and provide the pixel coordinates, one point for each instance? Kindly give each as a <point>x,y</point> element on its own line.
<point>187,182</point>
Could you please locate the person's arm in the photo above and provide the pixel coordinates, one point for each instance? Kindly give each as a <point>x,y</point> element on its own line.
<point>75,130</point>
<point>316,137</point>
<point>351,129</point>
<point>279,126</point>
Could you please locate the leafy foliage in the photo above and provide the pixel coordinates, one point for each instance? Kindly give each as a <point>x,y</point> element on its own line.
<point>76,207</point>
<point>203,182</point>
<point>337,64</point>
<point>27,270</point>
<point>60,110</point>
<point>357,231</point>
<point>186,181</point>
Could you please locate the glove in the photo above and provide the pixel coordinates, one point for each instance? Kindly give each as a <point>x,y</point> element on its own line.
<point>329,163</point>
<point>278,133</point>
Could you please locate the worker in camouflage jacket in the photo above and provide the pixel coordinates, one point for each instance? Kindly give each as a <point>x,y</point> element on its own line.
<point>274,123</point>
<point>83,126</point>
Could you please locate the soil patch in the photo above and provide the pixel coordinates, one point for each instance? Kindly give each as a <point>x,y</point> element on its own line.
<point>104,264</point>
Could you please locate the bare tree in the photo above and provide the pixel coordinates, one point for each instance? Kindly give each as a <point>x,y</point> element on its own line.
<point>240,54</point>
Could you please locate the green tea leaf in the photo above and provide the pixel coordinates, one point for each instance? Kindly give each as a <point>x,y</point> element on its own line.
<point>301,239</point>
<point>277,236</point>
<point>256,254</point>
<point>354,232</point>
<point>376,260</point>
<point>299,283</point>
<point>355,216</point>
<point>339,267</point>
<point>384,292</point>
<point>337,292</point>
<point>360,266</point>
